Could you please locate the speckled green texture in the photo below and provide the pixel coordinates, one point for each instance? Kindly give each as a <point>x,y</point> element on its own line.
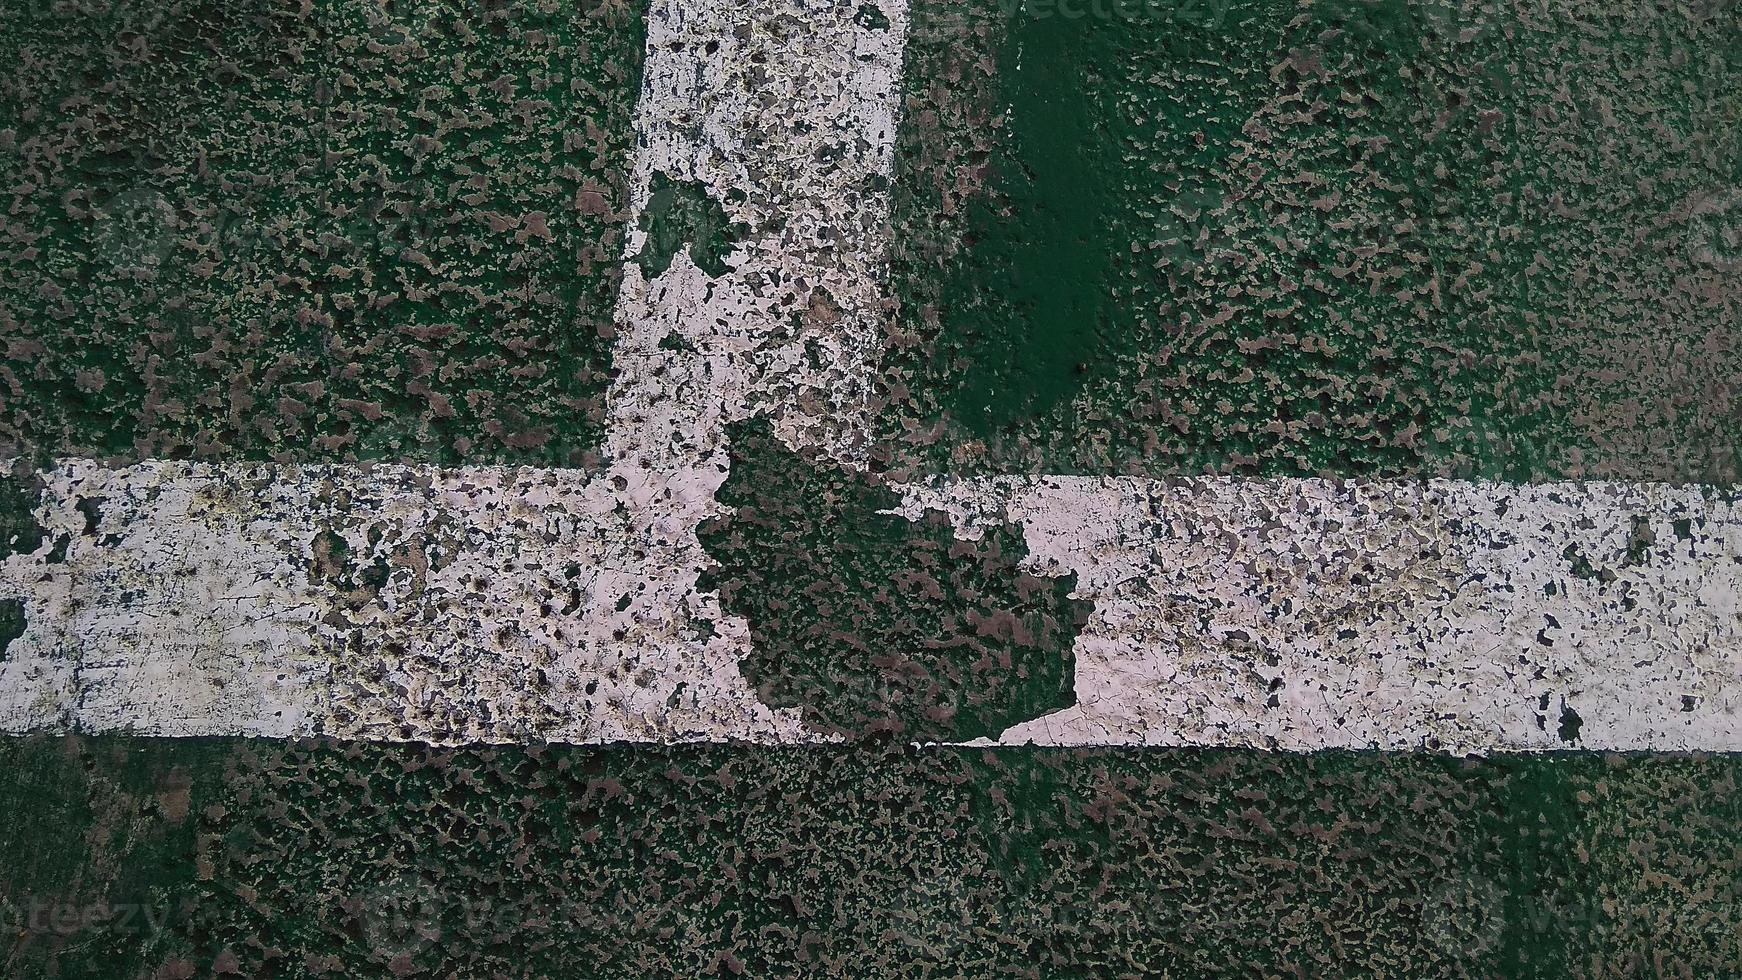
<point>1342,238</point>
<point>12,623</point>
<point>300,860</point>
<point>339,229</point>
<point>877,625</point>
<point>681,215</point>
<point>19,531</point>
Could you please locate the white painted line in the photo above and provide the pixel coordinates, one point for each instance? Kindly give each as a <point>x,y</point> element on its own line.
<point>489,604</point>
<point>200,617</point>
<point>473,604</point>
<point>1447,616</point>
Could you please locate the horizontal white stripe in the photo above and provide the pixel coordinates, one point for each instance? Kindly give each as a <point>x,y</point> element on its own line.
<point>1449,616</point>
<point>1291,614</point>
<point>508,605</point>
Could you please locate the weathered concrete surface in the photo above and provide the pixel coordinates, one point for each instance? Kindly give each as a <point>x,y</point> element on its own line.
<point>480,604</point>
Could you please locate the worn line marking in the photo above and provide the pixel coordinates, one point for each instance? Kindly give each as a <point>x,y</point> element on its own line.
<point>785,112</point>
<point>1442,615</point>
<point>515,604</point>
<point>1290,614</point>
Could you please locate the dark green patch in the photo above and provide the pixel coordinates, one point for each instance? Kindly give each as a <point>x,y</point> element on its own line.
<point>1640,538</point>
<point>91,509</point>
<point>12,623</point>
<point>335,230</point>
<point>681,214</point>
<point>874,623</point>
<point>306,860</point>
<point>871,17</point>
<point>1345,238</point>
<point>1570,723</point>
<point>356,576</point>
<point>20,534</point>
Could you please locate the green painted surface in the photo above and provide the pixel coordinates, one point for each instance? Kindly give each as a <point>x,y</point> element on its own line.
<point>298,860</point>
<point>342,229</point>
<point>1344,238</point>
<point>12,623</point>
<point>20,534</point>
<point>681,215</point>
<point>877,625</point>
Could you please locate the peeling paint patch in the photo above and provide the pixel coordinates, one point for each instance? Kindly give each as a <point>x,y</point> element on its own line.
<point>11,623</point>
<point>681,215</point>
<point>19,531</point>
<point>404,603</point>
<point>873,624</point>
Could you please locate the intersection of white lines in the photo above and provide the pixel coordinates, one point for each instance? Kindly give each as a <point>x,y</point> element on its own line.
<point>522,604</point>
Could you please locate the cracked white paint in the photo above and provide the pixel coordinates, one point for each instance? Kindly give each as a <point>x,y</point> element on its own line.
<point>469,604</point>
<point>784,111</point>
<point>513,604</point>
<point>1288,614</point>
<point>1449,616</point>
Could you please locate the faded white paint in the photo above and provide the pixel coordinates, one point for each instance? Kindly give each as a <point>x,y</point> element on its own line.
<point>507,605</point>
<point>471,604</point>
<point>1448,616</point>
<point>200,617</point>
<point>784,333</point>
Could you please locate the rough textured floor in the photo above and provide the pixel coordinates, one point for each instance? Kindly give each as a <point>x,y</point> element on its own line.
<point>1178,376</point>
<point>184,858</point>
<point>1352,237</point>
